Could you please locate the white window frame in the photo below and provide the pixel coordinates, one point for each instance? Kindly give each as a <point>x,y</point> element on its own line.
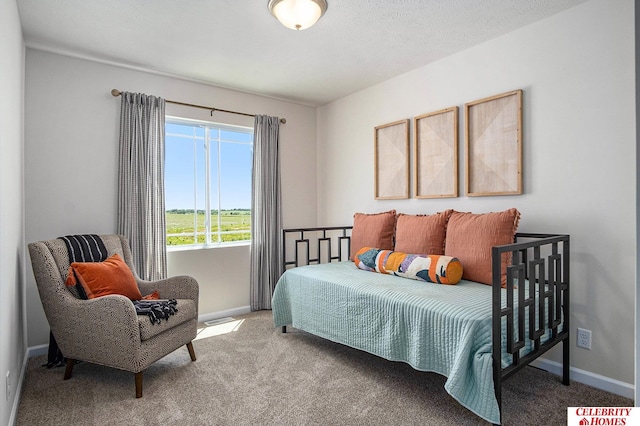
<point>208,126</point>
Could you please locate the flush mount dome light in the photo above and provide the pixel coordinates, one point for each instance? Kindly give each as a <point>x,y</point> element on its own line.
<point>297,14</point>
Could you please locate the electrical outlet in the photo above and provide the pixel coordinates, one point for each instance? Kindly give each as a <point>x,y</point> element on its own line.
<point>8,381</point>
<point>584,338</point>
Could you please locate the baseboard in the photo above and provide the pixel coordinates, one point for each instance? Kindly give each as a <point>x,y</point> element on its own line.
<point>37,350</point>
<point>221,314</point>
<point>16,400</point>
<point>588,378</point>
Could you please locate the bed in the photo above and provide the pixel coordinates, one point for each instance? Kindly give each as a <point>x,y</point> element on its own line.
<point>474,334</point>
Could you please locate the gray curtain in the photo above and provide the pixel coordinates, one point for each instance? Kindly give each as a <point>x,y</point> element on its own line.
<point>266,212</point>
<point>141,182</point>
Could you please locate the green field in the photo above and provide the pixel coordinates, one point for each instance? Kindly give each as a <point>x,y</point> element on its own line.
<point>180,222</point>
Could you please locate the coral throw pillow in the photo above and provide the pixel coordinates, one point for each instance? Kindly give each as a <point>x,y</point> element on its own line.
<point>372,230</point>
<point>112,276</point>
<point>421,234</point>
<point>470,238</point>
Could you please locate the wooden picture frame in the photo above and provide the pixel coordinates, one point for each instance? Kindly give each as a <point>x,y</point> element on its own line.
<point>391,161</point>
<point>493,145</point>
<point>435,157</point>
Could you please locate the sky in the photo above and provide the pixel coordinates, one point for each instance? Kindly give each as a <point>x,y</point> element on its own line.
<point>231,149</point>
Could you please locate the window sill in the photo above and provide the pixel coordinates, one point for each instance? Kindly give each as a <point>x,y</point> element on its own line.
<point>207,247</point>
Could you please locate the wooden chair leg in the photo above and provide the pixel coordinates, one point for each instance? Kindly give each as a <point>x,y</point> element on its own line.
<point>139,384</point>
<point>192,353</point>
<point>69,370</point>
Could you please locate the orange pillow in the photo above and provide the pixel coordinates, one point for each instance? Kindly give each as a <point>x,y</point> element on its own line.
<point>421,234</point>
<point>112,276</point>
<point>470,238</point>
<point>372,230</point>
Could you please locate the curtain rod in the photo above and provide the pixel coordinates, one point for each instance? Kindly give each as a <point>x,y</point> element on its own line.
<point>116,93</point>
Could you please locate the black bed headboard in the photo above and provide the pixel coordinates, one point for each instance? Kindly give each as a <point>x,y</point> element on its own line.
<point>307,246</point>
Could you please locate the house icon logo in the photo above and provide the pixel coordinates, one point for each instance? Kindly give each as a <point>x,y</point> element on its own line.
<point>584,421</point>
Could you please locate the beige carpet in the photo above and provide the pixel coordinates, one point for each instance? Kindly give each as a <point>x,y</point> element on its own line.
<point>257,376</point>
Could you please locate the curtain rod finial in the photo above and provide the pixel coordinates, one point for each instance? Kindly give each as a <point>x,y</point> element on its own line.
<point>115,92</point>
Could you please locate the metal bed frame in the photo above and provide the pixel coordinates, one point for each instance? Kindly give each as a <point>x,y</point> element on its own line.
<point>543,259</point>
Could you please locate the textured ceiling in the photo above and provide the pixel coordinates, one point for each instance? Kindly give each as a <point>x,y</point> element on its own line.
<point>238,44</point>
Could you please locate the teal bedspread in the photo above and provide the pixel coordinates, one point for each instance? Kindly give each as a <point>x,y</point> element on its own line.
<point>439,328</point>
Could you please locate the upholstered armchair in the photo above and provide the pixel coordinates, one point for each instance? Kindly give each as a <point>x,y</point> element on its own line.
<point>106,330</point>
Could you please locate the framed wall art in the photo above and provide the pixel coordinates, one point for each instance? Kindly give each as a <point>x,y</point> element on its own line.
<point>493,145</point>
<point>391,161</point>
<point>436,154</point>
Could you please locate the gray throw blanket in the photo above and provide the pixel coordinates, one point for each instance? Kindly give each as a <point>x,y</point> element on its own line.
<point>156,310</point>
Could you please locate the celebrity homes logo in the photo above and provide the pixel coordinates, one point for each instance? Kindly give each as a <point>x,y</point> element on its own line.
<point>603,416</point>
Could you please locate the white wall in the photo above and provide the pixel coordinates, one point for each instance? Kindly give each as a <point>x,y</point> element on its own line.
<point>13,347</point>
<point>637,319</point>
<point>226,274</point>
<point>577,73</point>
<point>71,148</point>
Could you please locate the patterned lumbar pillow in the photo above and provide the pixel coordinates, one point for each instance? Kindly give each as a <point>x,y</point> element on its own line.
<point>431,268</point>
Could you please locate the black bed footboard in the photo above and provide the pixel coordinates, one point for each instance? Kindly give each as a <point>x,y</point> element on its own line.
<point>532,311</point>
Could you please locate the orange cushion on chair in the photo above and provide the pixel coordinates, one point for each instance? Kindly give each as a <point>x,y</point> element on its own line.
<point>112,276</point>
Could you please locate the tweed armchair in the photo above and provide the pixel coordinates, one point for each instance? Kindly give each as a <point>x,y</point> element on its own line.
<point>106,330</point>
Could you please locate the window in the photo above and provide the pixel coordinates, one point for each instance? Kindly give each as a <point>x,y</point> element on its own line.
<point>207,182</point>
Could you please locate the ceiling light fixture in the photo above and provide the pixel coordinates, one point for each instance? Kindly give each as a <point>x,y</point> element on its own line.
<point>297,14</point>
